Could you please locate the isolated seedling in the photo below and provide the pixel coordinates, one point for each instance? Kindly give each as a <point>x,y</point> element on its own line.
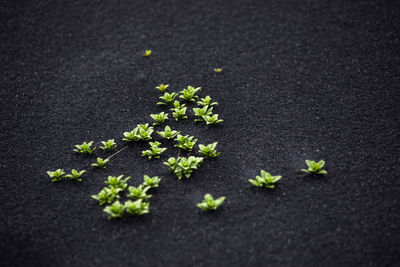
<point>117,182</point>
<point>85,148</point>
<point>168,98</point>
<point>200,112</point>
<point>168,133</point>
<point>212,119</point>
<point>266,179</point>
<point>76,175</point>
<point>139,192</point>
<point>206,101</point>
<point>116,210</point>
<point>217,70</point>
<point>209,151</point>
<point>56,175</point>
<point>159,118</point>
<point>138,207</point>
<point>209,203</point>
<point>162,87</point>
<point>182,166</point>
<point>185,142</point>
<point>155,151</point>
<point>189,93</point>
<point>101,163</point>
<point>151,182</point>
<point>147,53</point>
<point>142,132</point>
<point>315,167</point>
<point>108,145</point>
<point>107,195</point>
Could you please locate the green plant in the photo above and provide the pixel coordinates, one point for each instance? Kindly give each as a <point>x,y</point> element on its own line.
<point>117,182</point>
<point>200,112</point>
<point>151,182</point>
<point>116,210</point>
<point>142,132</point>
<point>76,175</point>
<point>206,101</point>
<point>179,113</point>
<point>212,119</point>
<point>266,179</point>
<point>107,195</point>
<point>189,93</point>
<point>315,167</point>
<point>155,151</point>
<point>138,207</point>
<point>147,53</point>
<point>183,166</point>
<point>139,192</point>
<point>168,133</point>
<point>168,98</point>
<point>217,70</point>
<point>159,118</point>
<point>85,148</point>
<point>162,87</point>
<point>108,145</point>
<point>209,151</point>
<point>101,163</point>
<point>185,142</point>
<point>209,203</point>
<point>56,175</point>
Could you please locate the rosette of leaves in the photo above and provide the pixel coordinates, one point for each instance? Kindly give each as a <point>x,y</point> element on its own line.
<point>159,118</point>
<point>179,111</point>
<point>100,163</point>
<point>168,98</point>
<point>117,182</point>
<point>206,101</point>
<point>155,151</point>
<point>107,195</point>
<point>116,210</point>
<point>56,175</point>
<point>168,133</point>
<point>139,192</point>
<point>75,175</point>
<point>162,87</point>
<point>138,207</point>
<point>209,203</point>
<point>185,142</point>
<point>183,167</point>
<point>189,93</point>
<point>151,182</point>
<point>108,145</point>
<point>212,119</point>
<point>200,112</point>
<point>315,167</point>
<point>265,180</point>
<point>85,148</point>
<point>209,151</point>
<point>142,132</point>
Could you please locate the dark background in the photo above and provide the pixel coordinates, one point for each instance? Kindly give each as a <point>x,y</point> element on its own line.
<point>301,80</point>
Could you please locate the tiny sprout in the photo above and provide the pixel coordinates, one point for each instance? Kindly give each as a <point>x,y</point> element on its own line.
<point>212,119</point>
<point>75,175</point>
<point>200,112</point>
<point>266,179</point>
<point>218,70</point>
<point>116,210</point>
<point>147,53</point>
<point>168,98</point>
<point>159,118</point>
<point>207,102</point>
<point>138,192</point>
<point>189,93</point>
<point>138,207</point>
<point>209,150</point>
<point>142,132</point>
<point>85,148</point>
<point>209,203</point>
<point>108,145</point>
<point>56,175</point>
<point>101,163</point>
<point>155,151</point>
<point>168,133</point>
<point>315,167</point>
<point>162,87</point>
<point>183,166</point>
<point>117,182</point>
<point>107,195</point>
<point>185,142</point>
<point>179,113</point>
<point>151,182</point>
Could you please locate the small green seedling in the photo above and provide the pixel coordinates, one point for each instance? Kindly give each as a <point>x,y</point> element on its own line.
<point>101,163</point>
<point>116,210</point>
<point>168,98</point>
<point>179,113</point>
<point>209,203</point>
<point>266,179</point>
<point>56,175</point>
<point>142,132</point>
<point>189,93</point>
<point>117,182</point>
<point>212,119</point>
<point>85,148</point>
<point>76,175</point>
<point>168,133</point>
<point>155,151</point>
<point>207,102</point>
<point>139,192</point>
<point>151,182</point>
<point>217,70</point>
<point>200,112</point>
<point>108,145</point>
<point>159,118</point>
<point>209,151</point>
<point>147,53</point>
<point>315,167</point>
<point>185,142</point>
<point>107,195</point>
<point>138,207</point>
<point>162,87</point>
<point>183,166</point>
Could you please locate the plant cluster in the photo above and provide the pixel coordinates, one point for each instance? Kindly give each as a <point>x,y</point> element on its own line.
<point>179,111</point>
<point>168,133</point>
<point>209,203</point>
<point>59,175</point>
<point>209,151</point>
<point>183,167</point>
<point>185,142</point>
<point>159,118</point>
<point>200,112</point>
<point>155,151</point>
<point>266,180</point>
<point>142,132</point>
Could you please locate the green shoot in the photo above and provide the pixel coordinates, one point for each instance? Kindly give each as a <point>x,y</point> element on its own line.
<point>139,192</point>
<point>183,166</point>
<point>212,119</point>
<point>155,151</point>
<point>189,93</point>
<point>185,142</point>
<point>56,175</point>
<point>138,207</point>
<point>101,163</point>
<point>107,195</point>
<point>162,87</point>
<point>85,148</point>
<point>217,70</point>
<point>159,118</point>
<point>142,132</point>
<point>315,167</point>
<point>75,175</point>
<point>179,113</point>
<point>266,179</point>
<point>151,182</point>
<point>207,102</point>
<point>117,182</point>
<point>209,203</point>
<point>116,210</point>
<point>147,53</point>
<point>168,133</point>
<point>168,98</point>
<point>209,150</point>
<point>200,112</point>
<point>108,145</point>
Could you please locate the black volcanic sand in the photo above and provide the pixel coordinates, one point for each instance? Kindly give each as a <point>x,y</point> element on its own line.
<point>301,80</point>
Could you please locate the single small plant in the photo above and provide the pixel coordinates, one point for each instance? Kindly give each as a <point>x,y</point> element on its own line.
<point>139,192</point>
<point>266,179</point>
<point>168,98</point>
<point>179,113</point>
<point>76,175</point>
<point>162,87</point>
<point>101,163</point>
<point>159,118</point>
<point>189,93</point>
<point>200,112</point>
<point>183,166</point>
<point>116,210</point>
<point>155,151</point>
<point>138,207</point>
<point>315,167</point>
<point>107,195</point>
<point>117,182</point>
<point>85,148</point>
<point>212,119</point>
<point>168,133</point>
<point>206,101</point>
<point>209,203</point>
<point>218,70</point>
<point>147,53</point>
<point>56,175</point>
<point>108,145</point>
<point>142,132</point>
<point>151,182</point>
<point>209,151</point>
<point>185,142</point>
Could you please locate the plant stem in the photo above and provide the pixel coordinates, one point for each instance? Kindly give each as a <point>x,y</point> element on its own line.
<point>116,153</point>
